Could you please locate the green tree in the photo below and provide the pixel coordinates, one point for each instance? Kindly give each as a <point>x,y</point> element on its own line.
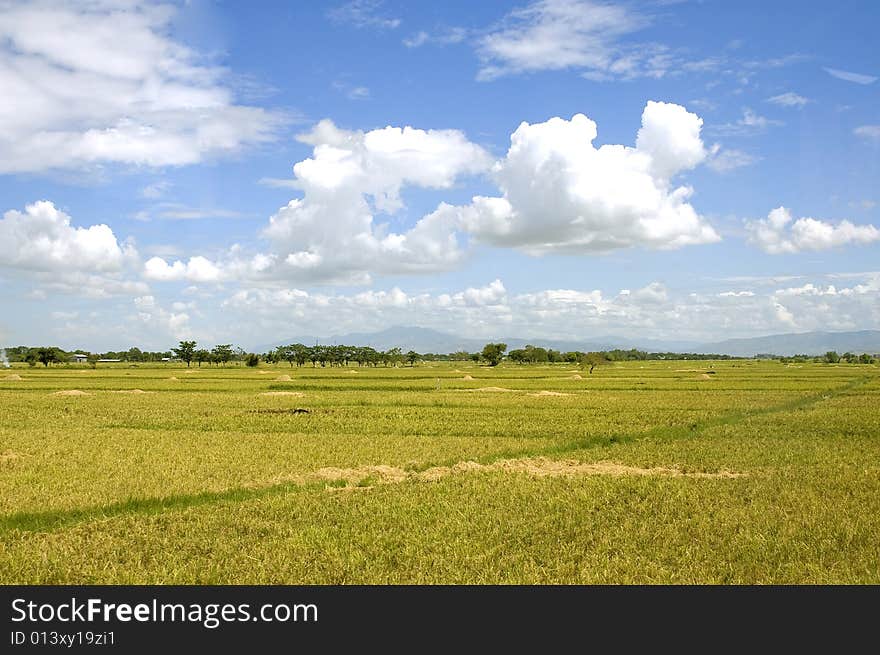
<point>202,355</point>
<point>831,357</point>
<point>222,353</point>
<point>593,360</point>
<point>48,356</point>
<point>251,360</point>
<point>493,352</point>
<point>412,357</point>
<point>185,351</point>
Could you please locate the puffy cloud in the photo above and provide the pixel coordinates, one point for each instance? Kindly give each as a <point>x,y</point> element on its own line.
<point>562,194</point>
<point>87,83</point>
<point>331,233</point>
<point>197,269</point>
<point>41,238</point>
<point>777,234</point>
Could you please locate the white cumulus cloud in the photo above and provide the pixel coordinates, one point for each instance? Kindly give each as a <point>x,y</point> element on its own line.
<point>41,238</point>
<point>562,194</point>
<point>779,233</point>
<point>197,269</point>
<point>332,231</point>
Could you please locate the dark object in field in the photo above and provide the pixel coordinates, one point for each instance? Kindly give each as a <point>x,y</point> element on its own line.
<point>298,410</point>
<point>710,372</point>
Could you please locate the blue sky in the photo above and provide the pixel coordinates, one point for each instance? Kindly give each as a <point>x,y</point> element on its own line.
<point>561,168</point>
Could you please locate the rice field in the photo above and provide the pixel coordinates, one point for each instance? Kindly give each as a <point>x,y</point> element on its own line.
<point>643,472</point>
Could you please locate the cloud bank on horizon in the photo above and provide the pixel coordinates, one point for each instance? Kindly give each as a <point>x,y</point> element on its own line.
<point>111,86</point>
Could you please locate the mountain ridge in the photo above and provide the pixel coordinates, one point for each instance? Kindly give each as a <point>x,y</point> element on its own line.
<point>425,340</point>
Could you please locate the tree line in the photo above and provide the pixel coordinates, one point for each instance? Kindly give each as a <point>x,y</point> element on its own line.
<point>298,354</point>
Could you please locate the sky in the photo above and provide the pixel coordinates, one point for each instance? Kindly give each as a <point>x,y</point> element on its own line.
<point>249,172</point>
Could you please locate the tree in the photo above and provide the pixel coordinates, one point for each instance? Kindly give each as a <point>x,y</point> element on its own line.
<point>222,353</point>
<point>493,352</point>
<point>412,357</point>
<point>251,360</point>
<point>593,360</point>
<point>185,351</point>
<point>831,357</point>
<point>393,357</point>
<point>865,358</point>
<point>202,355</point>
<point>48,356</point>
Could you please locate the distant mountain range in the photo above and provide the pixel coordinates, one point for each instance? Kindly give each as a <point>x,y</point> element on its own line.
<point>806,343</point>
<point>426,340</point>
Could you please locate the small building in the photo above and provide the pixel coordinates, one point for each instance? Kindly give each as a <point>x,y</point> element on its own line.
<point>79,358</point>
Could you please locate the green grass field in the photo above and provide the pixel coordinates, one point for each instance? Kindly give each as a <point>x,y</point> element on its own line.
<point>644,472</point>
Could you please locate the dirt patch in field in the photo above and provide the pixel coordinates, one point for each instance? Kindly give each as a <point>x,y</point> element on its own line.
<point>299,394</point>
<point>576,377</point>
<point>544,393</point>
<point>283,378</point>
<point>383,473</point>
<point>543,467</point>
<point>13,378</point>
<point>467,377</point>
<point>174,378</point>
<point>488,389</point>
<point>353,372</point>
<point>704,376</point>
<point>364,477</point>
<point>135,392</point>
<point>71,392</point>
